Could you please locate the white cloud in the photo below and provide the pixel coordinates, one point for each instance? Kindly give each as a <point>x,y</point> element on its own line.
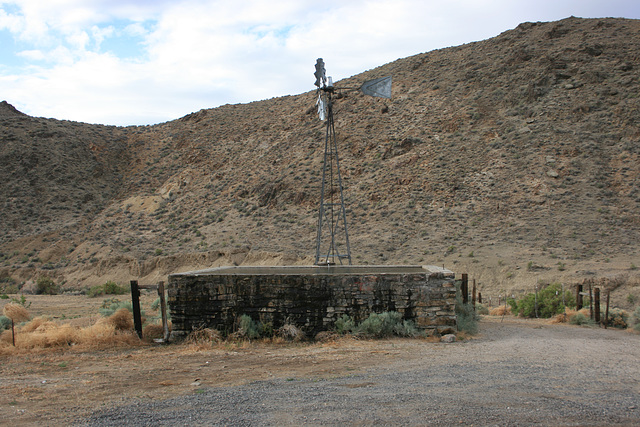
<point>32,55</point>
<point>11,22</point>
<point>193,54</point>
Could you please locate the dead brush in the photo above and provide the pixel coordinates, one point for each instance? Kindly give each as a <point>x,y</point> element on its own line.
<point>153,331</point>
<point>585,311</point>
<point>122,320</point>
<point>17,313</point>
<point>204,336</point>
<point>291,333</point>
<point>51,336</point>
<point>101,335</point>
<point>41,334</point>
<point>563,317</point>
<point>500,311</point>
<point>36,323</point>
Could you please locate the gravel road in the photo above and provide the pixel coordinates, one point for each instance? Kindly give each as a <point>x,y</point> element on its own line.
<point>514,373</point>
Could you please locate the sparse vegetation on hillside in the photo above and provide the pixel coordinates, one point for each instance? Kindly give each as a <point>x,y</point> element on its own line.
<point>523,147</point>
<point>108,288</point>
<point>46,286</point>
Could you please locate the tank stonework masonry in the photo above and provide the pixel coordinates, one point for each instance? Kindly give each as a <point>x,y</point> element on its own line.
<point>310,297</point>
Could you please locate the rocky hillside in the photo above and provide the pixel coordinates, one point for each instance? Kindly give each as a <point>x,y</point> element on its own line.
<point>514,159</point>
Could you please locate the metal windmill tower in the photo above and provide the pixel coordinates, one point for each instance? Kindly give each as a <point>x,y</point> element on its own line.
<point>332,244</point>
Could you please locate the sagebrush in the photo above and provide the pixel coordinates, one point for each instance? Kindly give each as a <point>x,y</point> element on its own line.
<point>547,303</point>
<point>467,317</point>
<point>378,325</point>
<point>108,288</point>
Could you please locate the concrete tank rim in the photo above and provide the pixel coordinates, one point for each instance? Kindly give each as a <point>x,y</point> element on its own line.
<point>315,270</point>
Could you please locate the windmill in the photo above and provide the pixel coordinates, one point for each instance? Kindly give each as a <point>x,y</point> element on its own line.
<point>332,243</point>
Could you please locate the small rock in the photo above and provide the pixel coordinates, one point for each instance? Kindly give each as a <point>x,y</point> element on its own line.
<point>449,338</point>
<point>552,174</point>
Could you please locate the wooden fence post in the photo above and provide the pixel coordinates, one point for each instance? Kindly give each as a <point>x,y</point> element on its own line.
<point>464,288</point>
<point>596,304</point>
<point>473,295</point>
<point>606,313</point>
<point>135,302</point>
<point>163,309</point>
<point>480,297</point>
<point>590,302</point>
<point>578,297</point>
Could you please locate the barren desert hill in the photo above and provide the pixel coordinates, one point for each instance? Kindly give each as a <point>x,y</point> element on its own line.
<point>514,159</point>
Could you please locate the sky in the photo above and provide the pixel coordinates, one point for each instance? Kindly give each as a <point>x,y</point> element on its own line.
<point>120,62</point>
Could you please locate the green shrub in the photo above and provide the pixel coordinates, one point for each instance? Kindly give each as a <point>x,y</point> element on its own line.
<point>266,329</point>
<point>4,296</point>
<point>8,285</point>
<point>46,286</point>
<point>345,324</point>
<point>618,318</point>
<point>247,327</point>
<point>635,322</point>
<point>112,288</point>
<point>378,325</point>
<point>467,318</point>
<point>95,291</point>
<point>5,323</point>
<point>386,324</point>
<point>111,305</point>
<point>481,309</point>
<point>581,319</point>
<point>109,288</point>
<point>22,301</point>
<point>549,302</point>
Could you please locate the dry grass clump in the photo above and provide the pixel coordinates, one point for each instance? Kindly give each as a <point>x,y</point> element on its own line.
<point>326,336</point>
<point>5,338</point>
<point>586,311</point>
<point>36,323</point>
<point>500,311</point>
<point>103,334</point>
<point>41,333</point>
<point>563,317</point>
<point>153,331</point>
<point>204,336</point>
<point>122,320</point>
<point>15,312</point>
<point>291,333</point>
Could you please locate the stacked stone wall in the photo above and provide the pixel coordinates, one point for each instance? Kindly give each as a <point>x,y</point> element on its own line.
<point>310,298</point>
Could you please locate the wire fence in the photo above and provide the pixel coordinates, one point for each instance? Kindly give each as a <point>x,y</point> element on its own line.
<point>591,294</point>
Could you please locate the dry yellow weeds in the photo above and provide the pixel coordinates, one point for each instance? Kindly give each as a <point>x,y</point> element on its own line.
<point>41,333</point>
<point>500,311</point>
<point>15,312</point>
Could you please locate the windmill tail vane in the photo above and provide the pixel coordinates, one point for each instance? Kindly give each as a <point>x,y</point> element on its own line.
<point>332,242</point>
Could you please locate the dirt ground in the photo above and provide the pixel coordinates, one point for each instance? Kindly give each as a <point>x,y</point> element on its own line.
<point>55,387</point>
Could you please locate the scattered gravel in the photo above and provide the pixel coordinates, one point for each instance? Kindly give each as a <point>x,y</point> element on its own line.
<point>514,373</point>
